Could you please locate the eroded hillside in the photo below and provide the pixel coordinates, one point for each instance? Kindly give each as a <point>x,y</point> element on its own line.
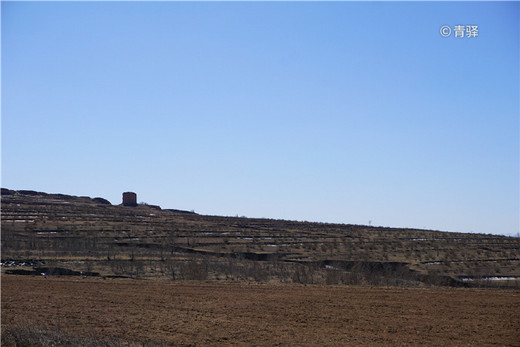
<point>66,235</point>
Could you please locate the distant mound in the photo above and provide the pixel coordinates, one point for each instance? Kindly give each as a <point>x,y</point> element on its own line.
<point>102,201</point>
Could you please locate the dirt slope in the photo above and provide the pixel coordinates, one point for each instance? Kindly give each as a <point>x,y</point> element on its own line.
<point>83,235</point>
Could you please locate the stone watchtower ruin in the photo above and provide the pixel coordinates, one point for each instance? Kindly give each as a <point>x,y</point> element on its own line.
<point>129,199</point>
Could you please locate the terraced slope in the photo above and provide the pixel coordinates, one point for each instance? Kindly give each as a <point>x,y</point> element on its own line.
<point>67,235</point>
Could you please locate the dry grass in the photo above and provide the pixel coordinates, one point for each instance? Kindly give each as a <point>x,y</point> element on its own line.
<point>146,242</point>
<point>29,335</point>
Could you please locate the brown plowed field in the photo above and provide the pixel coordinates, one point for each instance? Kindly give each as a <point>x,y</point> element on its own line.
<point>236,314</point>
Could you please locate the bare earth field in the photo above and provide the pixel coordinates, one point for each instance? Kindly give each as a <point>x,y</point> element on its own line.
<point>199,313</point>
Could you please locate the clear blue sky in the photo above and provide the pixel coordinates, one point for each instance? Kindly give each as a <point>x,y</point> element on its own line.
<point>335,112</point>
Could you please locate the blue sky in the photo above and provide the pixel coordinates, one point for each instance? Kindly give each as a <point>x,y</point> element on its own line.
<point>335,112</point>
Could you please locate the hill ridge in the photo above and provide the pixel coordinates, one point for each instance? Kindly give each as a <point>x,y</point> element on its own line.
<point>87,235</point>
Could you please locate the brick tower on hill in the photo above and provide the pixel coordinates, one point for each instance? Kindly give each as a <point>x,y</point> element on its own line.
<point>129,199</point>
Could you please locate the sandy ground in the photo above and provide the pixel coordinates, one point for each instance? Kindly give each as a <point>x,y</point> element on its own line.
<point>168,313</point>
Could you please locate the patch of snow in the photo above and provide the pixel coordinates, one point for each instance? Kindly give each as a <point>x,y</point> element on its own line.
<point>331,267</point>
<point>15,263</point>
<point>491,278</point>
<point>504,278</point>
